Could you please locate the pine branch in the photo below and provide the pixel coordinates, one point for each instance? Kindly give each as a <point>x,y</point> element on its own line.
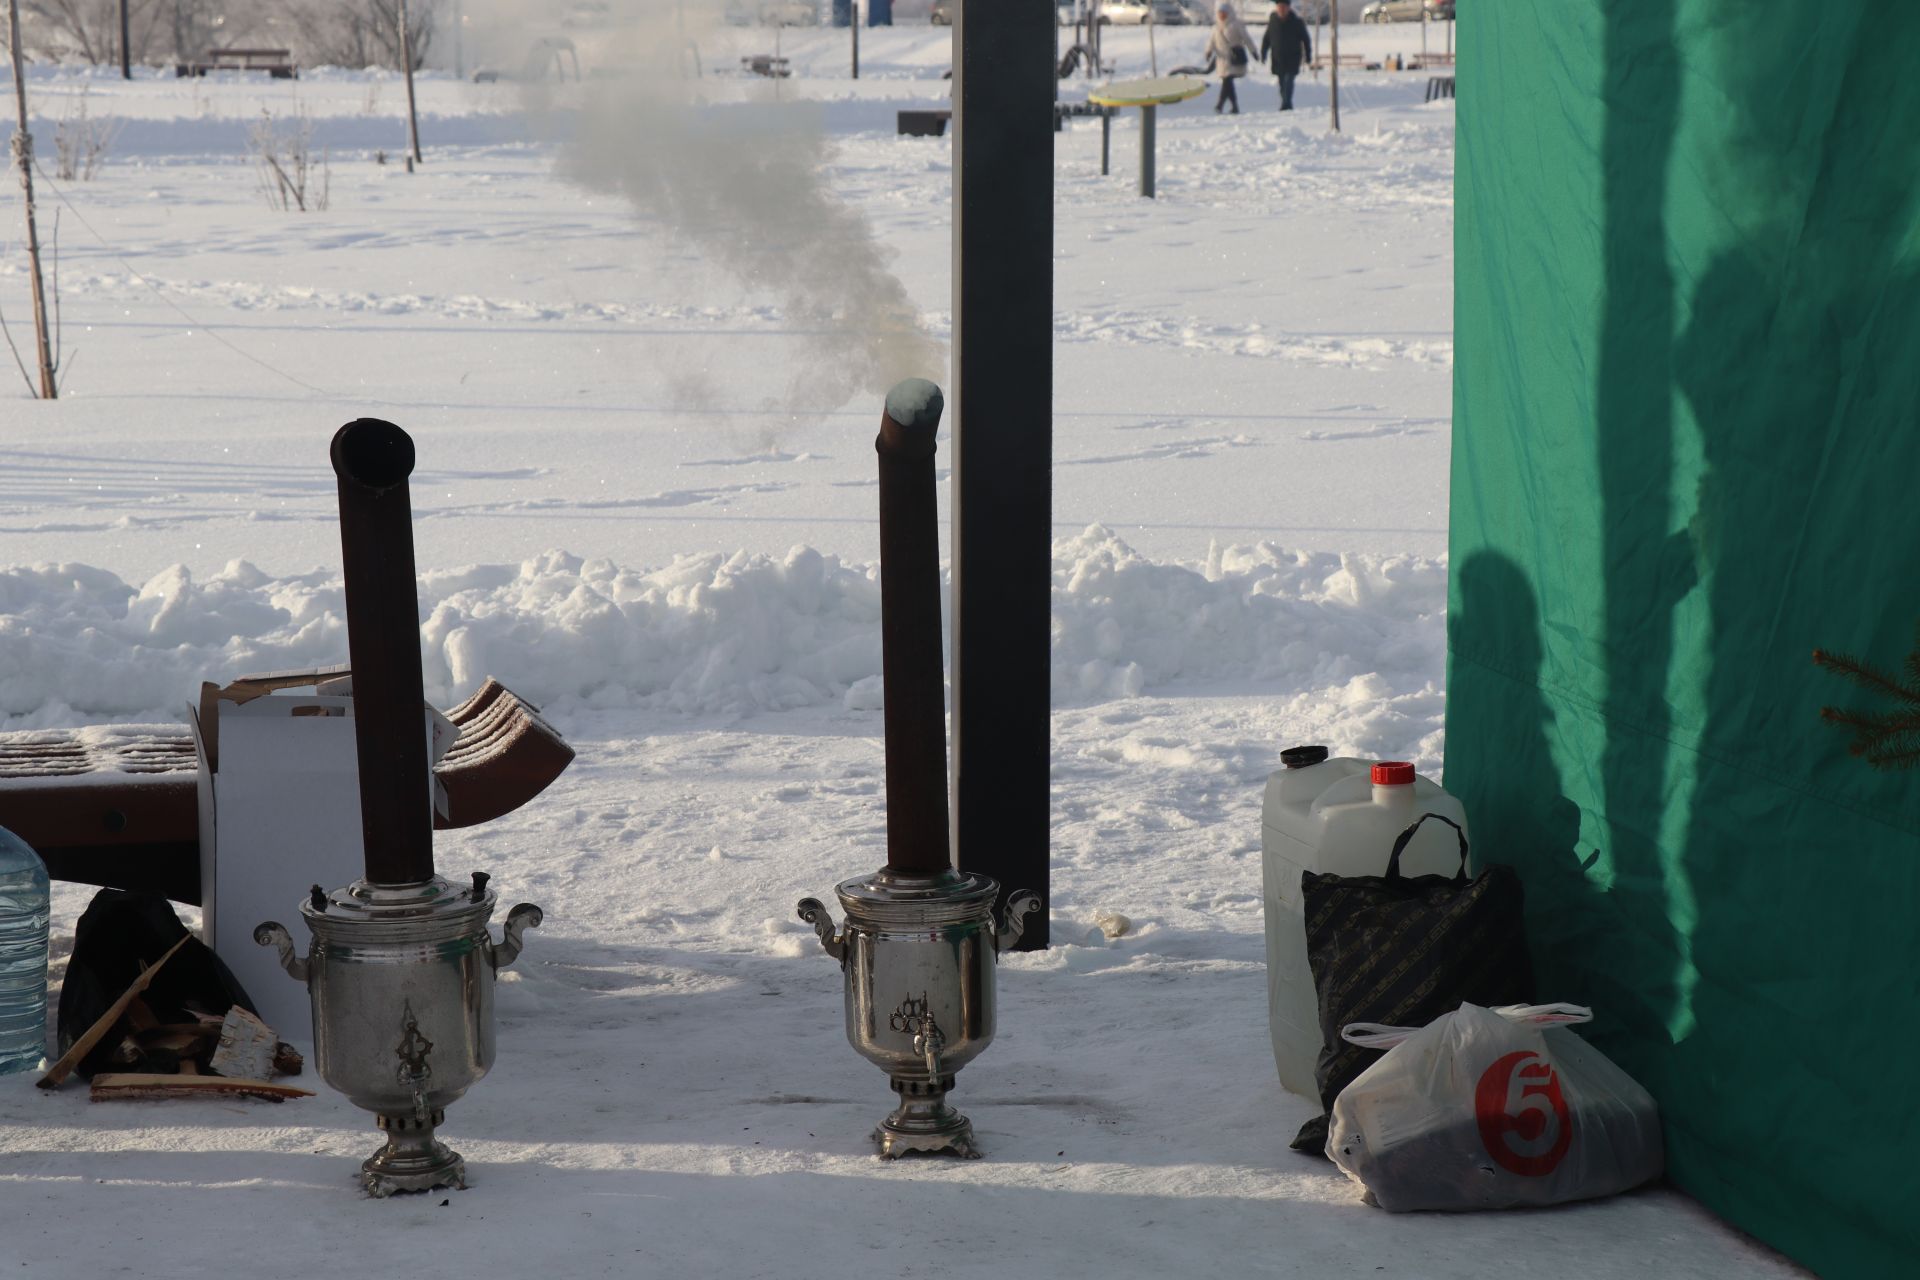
<point>1884,739</point>
<point>1865,674</point>
<point>1906,755</point>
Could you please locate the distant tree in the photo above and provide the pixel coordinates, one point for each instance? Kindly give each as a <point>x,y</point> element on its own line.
<point>194,25</point>
<point>90,29</point>
<point>363,33</point>
<point>1885,739</point>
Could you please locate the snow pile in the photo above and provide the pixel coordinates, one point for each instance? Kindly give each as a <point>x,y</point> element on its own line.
<point>1123,623</point>
<point>717,632</point>
<point>705,633</point>
<point>76,642</point>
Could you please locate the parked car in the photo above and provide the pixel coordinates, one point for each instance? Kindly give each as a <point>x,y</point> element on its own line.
<point>1135,13</point>
<point>589,13</point>
<point>789,13</point>
<point>772,13</point>
<point>1256,12</point>
<point>1407,11</point>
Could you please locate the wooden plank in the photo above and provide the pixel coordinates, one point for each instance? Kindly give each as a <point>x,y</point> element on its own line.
<point>112,1087</point>
<point>59,1071</point>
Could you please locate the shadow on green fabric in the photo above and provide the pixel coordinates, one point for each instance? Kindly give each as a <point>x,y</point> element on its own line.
<point>1686,443</point>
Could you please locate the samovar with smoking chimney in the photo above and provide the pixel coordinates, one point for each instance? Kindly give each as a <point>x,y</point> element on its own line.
<point>402,965</point>
<point>919,946</point>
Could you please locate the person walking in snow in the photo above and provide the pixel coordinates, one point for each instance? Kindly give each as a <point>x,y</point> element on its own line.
<point>1286,47</point>
<point>1229,47</point>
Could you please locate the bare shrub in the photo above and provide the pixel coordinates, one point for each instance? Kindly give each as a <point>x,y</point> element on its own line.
<point>81,143</point>
<point>290,176</point>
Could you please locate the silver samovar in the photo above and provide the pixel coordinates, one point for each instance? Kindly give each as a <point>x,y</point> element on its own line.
<point>402,965</point>
<point>920,943</point>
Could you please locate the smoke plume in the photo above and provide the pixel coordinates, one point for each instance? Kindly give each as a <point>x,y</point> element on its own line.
<point>745,185</point>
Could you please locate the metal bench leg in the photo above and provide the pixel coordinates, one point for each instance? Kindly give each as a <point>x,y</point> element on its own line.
<point>1147,114</point>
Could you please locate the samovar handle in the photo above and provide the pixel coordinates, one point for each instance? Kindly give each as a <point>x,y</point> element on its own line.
<point>523,917</point>
<point>1019,906</point>
<point>274,934</point>
<point>815,913</point>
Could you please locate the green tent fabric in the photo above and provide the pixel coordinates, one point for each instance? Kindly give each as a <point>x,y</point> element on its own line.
<point>1686,454</point>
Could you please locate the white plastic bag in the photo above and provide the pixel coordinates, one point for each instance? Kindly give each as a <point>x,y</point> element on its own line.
<point>1492,1109</point>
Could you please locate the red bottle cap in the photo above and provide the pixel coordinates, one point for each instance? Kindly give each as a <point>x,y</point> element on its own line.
<point>1393,773</point>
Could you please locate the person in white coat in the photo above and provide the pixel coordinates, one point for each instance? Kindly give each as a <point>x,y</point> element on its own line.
<point>1232,50</point>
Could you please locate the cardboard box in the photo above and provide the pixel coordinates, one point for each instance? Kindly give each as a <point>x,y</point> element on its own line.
<point>279,813</point>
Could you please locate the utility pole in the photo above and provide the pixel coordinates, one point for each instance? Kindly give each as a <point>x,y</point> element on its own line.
<point>854,26</point>
<point>459,42</point>
<point>1333,79</point>
<point>413,118</point>
<point>126,52</point>
<point>23,156</point>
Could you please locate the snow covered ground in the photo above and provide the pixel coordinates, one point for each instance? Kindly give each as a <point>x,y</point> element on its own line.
<point>630,510</point>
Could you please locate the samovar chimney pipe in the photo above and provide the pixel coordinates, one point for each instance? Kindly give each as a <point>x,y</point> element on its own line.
<point>910,632</point>
<point>372,460</point>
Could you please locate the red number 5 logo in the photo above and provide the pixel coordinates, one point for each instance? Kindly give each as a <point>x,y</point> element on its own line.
<point>1523,1118</point>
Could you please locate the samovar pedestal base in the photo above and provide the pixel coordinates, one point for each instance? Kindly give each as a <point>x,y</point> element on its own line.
<point>924,1122</point>
<point>413,1159</point>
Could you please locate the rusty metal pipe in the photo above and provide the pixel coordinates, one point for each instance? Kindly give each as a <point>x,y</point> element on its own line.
<point>373,460</point>
<point>910,632</point>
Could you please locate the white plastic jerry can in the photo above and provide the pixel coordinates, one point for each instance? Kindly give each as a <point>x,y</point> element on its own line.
<point>1338,816</point>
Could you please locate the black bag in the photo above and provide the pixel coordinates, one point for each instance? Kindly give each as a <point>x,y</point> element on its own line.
<point>1403,950</point>
<point>116,938</point>
<point>1239,55</point>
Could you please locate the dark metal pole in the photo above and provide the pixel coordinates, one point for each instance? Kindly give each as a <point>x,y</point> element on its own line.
<point>373,460</point>
<point>1003,435</point>
<point>1106,138</point>
<point>910,632</point>
<point>126,54</point>
<point>1148,116</point>
<point>1333,70</point>
<point>853,24</point>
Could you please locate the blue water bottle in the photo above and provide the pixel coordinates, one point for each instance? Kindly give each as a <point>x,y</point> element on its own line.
<point>23,955</point>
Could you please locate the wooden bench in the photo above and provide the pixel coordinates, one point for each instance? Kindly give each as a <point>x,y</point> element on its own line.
<point>277,63</point>
<point>118,805</point>
<point>1355,61</point>
<point>928,123</point>
<point>766,64</point>
<point>1065,110</point>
